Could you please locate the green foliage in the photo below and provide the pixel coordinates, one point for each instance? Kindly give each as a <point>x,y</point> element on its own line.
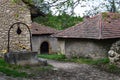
<point>82,60</point>
<point>11,70</point>
<point>59,57</point>
<point>113,68</point>
<point>16,15</point>
<point>13,73</point>
<point>91,61</point>
<point>104,14</point>
<point>22,71</point>
<point>101,61</point>
<point>16,1</point>
<point>102,64</point>
<point>59,22</point>
<point>27,2</point>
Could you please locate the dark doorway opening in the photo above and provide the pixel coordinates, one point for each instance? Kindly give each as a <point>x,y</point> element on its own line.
<point>44,48</point>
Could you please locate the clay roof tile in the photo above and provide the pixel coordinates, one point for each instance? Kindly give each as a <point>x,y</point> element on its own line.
<point>38,29</point>
<point>101,26</point>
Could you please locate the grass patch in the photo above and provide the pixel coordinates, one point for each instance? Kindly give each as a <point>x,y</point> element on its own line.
<point>59,57</point>
<point>11,70</point>
<point>111,68</point>
<point>102,64</point>
<point>22,71</point>
<point>14,73</point>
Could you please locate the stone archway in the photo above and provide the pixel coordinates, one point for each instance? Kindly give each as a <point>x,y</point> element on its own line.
<point>44,47</point>
<point>19,38</point>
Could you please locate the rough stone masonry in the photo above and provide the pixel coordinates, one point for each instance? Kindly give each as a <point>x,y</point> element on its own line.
<point>11,12</point>
<point>114,53</point>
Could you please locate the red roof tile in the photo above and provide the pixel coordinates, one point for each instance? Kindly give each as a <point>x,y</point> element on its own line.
<point>101,26</point>
<point>38,29</point>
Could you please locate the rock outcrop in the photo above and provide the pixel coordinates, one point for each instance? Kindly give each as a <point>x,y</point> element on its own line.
<point>114,53</point>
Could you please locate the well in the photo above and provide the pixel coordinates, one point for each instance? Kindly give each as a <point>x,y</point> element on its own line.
<point>20,46</point>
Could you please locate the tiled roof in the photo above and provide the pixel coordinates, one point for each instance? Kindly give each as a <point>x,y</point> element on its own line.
<point>38,29</point>
<point>101,26</point>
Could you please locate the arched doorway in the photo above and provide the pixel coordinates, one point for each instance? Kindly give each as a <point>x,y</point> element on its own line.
<point>44,48</point>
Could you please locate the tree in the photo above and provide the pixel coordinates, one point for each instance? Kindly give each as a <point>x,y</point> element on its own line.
<point>112,6</point>
<point>60,6</point>
<point>59,22</point>
<point>105,5</point>
<point>68,6</point>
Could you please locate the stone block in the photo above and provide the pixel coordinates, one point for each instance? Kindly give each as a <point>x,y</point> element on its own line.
<point>22,58</point>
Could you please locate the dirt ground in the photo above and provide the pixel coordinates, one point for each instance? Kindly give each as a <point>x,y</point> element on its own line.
<point>66,71</point>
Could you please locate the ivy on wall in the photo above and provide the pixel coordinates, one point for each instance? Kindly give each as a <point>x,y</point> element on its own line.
<point>16,1</point>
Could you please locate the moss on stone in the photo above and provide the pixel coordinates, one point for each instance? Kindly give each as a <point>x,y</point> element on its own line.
<point>15,1</point>
<point>116,16</point>
<point>104,15</point>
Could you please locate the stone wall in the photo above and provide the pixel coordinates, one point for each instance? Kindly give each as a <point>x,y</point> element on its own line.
<point>10,13</point>
<point>87,48</point>
<point>19,42</point>
<point>38,40</point>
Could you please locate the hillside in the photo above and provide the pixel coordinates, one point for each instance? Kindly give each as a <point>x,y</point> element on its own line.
<point>59,22</point>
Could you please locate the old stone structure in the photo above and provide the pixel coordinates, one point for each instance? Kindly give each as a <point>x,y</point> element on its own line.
<point>42,40</point>
<point>114,53</point>
<point>11,13</point>
<point>91,38</point>
<point>88,48</point>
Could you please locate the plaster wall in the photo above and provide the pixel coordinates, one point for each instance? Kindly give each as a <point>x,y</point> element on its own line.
<point>38,40</point>
<point>87,48</point>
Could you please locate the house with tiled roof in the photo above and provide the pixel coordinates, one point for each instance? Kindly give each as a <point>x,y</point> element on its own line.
<point>42,41</point>
<point>91,38</point>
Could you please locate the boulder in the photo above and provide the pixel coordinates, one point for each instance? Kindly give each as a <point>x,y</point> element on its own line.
<point>114,53</point>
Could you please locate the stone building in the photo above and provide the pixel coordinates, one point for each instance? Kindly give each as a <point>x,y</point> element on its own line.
<point>42,40</point>
<point>11,13</point>
<point>91,38</point>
